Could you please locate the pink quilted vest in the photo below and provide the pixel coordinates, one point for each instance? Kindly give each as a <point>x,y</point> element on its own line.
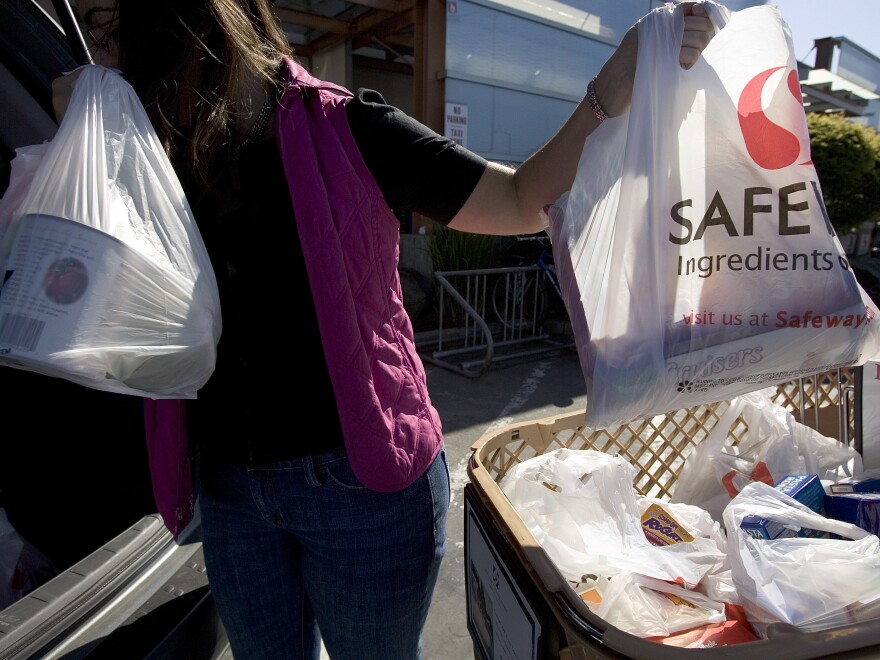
<point>350,241</point>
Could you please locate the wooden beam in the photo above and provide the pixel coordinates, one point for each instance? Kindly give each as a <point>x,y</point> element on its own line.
<point>394,6</point>
<point>314,21</point>
<point>368,22</point>
<point>400,21</point>
<point>320,44</point>
<point>429,88</point>
<point>390,32</point>
<point>386,24</point>
<point>406,41</point>
<point>403,44</point>
<point>430,61</point>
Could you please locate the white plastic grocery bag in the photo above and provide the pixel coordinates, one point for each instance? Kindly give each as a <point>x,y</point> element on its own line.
<point>107,281</point>
<point>582,508</point>
<point>696,256</point>
<point>775,445</point>
<point>811,583</point>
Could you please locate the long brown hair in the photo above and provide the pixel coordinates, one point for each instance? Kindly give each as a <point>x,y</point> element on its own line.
<point>206,52</point>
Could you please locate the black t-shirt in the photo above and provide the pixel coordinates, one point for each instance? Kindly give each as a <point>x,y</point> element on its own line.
<point>270,396</point>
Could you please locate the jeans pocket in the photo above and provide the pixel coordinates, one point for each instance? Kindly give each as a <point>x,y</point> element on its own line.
<point>342,474</point>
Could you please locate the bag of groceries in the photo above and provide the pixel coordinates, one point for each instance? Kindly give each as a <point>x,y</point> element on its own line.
<point>107,281</point>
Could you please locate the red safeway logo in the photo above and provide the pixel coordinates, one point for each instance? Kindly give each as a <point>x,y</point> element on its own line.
<point>770,145</point>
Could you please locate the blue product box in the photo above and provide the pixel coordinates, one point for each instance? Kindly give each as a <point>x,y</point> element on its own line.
<point>805,488</point>
<point>862,509</point>
<point>868,482</point>
<point>762,528</point>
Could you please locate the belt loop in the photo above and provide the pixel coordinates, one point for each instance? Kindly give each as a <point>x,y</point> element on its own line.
<point>312,472</point>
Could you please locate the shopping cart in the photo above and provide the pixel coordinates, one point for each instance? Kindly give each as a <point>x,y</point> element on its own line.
<point>518,603</point>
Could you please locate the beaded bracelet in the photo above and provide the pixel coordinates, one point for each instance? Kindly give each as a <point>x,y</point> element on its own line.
<point>597,108</point>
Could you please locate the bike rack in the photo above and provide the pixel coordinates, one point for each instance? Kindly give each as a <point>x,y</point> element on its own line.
<point>469,338</point>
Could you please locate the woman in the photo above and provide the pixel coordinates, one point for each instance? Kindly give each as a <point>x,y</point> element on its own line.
<point>292,181</point>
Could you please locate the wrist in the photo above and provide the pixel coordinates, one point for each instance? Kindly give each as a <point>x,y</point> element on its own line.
<point>614,81</point>
<point>595,103</point>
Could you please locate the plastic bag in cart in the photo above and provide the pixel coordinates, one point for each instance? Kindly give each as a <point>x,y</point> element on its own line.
<point>811,583</point>
<point>647,607</point>
<point>582,508</point>
<point>694,249</point>
<point>775,445</point>
<point>107,280</point>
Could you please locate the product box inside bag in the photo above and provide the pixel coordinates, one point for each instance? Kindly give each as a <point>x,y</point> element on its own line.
<point>763,528</point>
<point>72,293</point>
<point>805,488</point>
<point>867,482</point>
<point>862,509</point>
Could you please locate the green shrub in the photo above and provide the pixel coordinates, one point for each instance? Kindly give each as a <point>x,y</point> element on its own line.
<point>847,160</point>
<point>460,250</point>
<point>453,250</point>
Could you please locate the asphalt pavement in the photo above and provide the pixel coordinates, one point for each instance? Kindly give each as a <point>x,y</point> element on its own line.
<point>511,392</point>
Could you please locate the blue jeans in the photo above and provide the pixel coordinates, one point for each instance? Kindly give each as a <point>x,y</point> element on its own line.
<point>294,546</point>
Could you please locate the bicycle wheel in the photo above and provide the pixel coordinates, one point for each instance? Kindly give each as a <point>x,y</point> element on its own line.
<point>519,301</point>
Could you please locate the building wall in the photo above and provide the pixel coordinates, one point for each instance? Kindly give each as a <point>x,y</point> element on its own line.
<point>857,65</point>
<point>519,69</point>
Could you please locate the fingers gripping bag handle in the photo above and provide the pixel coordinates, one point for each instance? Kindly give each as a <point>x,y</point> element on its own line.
<point>696,255</point>
<point>107,279</point>
<point>718,14</point>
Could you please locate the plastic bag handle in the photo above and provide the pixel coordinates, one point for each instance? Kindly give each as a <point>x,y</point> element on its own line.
<point>714,442</point>
<point>656,34</point>
<point>718,14</point>
<point>764,500</point>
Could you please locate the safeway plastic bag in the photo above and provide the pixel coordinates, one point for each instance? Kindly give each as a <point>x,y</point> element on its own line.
<point>694,250</point>
<point>107,281</point>
<point>811,583</point>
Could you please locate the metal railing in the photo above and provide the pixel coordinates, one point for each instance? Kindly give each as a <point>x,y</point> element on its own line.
<point>489,315</point>
<point>829,402</point>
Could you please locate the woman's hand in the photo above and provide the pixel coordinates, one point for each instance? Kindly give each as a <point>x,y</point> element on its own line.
<point>62,88</point>
<point>698,31</point>
<point>615,80</point>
